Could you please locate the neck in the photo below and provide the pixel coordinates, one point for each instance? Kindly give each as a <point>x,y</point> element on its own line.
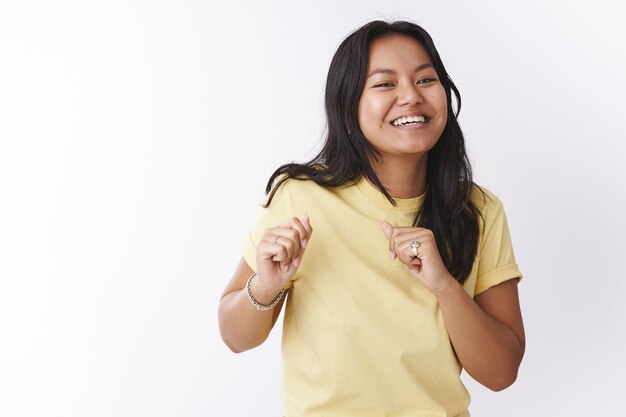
<point>402,177</point>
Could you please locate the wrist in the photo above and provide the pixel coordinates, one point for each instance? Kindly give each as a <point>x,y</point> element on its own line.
<point>263,299</point>
<point>446,285</point>
<point>258,288</point>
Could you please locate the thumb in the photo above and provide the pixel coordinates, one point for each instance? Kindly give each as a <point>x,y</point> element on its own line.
<point>387,229</point>
<point>305,219</point>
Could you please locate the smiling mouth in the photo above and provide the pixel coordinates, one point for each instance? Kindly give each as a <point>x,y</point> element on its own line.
<point>410,120</point>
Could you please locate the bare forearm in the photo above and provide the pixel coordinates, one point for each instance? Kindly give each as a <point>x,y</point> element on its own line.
<point>242,326</point>
<point>488,350</point>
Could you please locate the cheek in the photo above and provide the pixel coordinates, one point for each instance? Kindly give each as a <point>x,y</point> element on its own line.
<point>360,118</point>
<point>364,116</point>
<point>440,102</point>
<point>372,109</point>
<point>444,108</point>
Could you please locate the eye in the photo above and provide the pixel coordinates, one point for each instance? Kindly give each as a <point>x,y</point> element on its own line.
<point>426,80</point>
<point>383,85</point>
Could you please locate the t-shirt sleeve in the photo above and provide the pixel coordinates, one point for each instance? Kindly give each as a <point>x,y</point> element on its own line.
<point>496,260</point>
<point>280,209</point>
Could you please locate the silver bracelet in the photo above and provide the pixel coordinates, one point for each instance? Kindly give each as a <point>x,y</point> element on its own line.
<point>259,306</point>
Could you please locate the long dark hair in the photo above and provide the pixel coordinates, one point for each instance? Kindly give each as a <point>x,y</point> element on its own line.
<point>447,209</point>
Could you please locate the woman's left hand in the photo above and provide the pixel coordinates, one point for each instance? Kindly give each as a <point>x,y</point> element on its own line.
<point>427,266</point>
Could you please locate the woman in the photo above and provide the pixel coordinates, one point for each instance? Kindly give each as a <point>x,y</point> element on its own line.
<point>410,273</point>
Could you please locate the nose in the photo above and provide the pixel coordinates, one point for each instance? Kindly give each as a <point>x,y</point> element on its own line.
<point>409,93</point>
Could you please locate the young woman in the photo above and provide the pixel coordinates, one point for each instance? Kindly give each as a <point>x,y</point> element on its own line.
<point>397,268</point>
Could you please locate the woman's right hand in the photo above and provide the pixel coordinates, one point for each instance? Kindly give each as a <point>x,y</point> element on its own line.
<point>280,252</point>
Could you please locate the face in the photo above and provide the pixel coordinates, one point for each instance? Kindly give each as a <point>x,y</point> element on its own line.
<point>403,107</point>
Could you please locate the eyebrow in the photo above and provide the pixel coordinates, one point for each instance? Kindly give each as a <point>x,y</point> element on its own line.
<point>390,71</point>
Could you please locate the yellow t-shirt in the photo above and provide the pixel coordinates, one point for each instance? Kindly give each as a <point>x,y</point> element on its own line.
<point>361,336</point>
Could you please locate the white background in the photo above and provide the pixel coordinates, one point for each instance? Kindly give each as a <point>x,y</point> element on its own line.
<point>136,138</point>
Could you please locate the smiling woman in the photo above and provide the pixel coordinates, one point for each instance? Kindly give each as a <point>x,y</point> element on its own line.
<point>410,274</point>
<point>403,109</point>
<point>409,78</point>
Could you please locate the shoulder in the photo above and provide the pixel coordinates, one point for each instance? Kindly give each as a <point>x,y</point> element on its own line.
<point>485,200</point>
<point>489,205</point>
<point>293,189</point>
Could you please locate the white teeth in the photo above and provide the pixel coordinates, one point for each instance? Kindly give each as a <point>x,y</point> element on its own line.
<point>410,119</point>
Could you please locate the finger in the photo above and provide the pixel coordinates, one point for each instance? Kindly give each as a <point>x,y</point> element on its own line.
<point>291,246</point>
<point>407,253</point>
<point>305,234</point>
<point>389,232</point>
<point>387,229</point>
<point>415,269</point>
<point>280,237</point>
<point>410,229</point>
<point>284,234</point>
<point>403,236</point>
<point>284,266</point>
<point>417,256</point>
<point>306,222</point>
<point>276,238</point>
<point>295,230</point>
<point>274,251</point>
<point>295,224</point>
<point>411,233</point>
<point>427,250</point>
<point>303,226</point>
<point>283,257</point>
<point>424,237</point>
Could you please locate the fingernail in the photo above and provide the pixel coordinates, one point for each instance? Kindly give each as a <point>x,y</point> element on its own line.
<point>305,242</point>
<point>391,255</point>
<point>286,268</point>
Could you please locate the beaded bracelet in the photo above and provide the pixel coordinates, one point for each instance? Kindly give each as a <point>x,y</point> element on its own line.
<point>259,306</point>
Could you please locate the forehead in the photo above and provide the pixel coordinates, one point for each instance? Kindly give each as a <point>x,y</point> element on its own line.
<point>395,50</point>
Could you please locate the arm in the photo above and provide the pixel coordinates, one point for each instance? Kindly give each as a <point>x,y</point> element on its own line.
<point>487,333</point>
<point>278,256</point>
<point>242,326</point>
